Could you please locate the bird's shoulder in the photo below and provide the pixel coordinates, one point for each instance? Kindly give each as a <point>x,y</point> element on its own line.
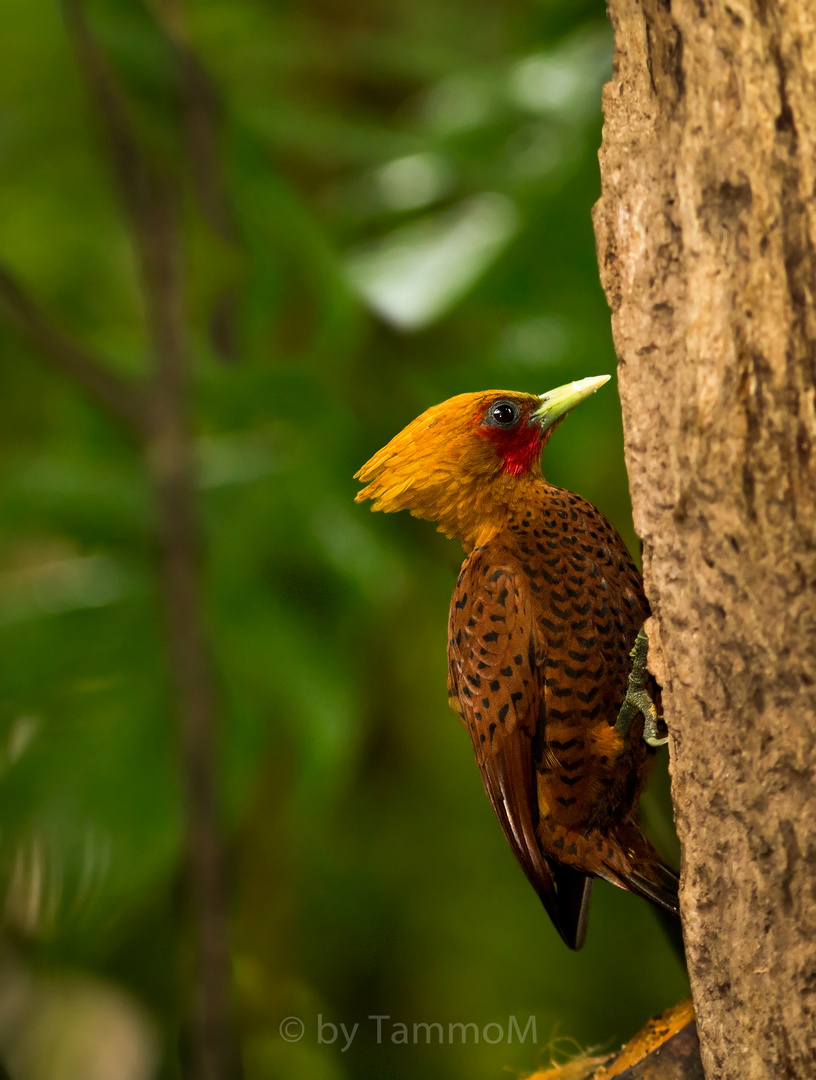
<point>568,555</point>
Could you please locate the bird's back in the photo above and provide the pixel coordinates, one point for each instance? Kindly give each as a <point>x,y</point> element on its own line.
<point>543,619</point>
<point>588,605</point>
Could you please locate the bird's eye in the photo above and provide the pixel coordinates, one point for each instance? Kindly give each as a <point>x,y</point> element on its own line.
<point>503,414</point>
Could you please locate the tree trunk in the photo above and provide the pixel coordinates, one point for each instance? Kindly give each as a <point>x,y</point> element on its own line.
<point>706,233</point>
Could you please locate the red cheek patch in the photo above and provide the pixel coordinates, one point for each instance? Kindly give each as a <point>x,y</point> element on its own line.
<point>519,449</point>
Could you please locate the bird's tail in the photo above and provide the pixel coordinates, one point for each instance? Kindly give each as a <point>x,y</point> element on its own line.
<point>636,866</point>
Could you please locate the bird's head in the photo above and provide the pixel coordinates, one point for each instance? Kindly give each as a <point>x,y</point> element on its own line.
<point>464,462</point>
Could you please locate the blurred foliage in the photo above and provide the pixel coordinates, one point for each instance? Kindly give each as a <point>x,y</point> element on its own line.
<point>410,185</point>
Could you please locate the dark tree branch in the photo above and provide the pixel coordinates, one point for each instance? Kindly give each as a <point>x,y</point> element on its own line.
<point>127,401</point>
<point>146,195</point>
<point>172,471</point>
<point>201,123</point>
<point>133,174</point>
<point>151,207</point>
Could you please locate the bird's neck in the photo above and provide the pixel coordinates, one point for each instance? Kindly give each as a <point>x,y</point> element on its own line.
<point>476,517</point>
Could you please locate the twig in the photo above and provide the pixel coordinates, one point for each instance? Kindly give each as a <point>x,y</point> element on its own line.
<point>201,123</point>
<point>201,118</point>
<point>132,172</point>
<point>127,400</point>
<point>151,207</point>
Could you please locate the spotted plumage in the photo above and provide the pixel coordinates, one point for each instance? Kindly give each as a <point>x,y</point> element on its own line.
<point>544,614</point>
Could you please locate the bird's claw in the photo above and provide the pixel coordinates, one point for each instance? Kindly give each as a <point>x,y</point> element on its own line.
<point>637,700</point>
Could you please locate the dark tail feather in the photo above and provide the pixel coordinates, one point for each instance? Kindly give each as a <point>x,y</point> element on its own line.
<point>660,887</point>
<point>644,872</point>
<point>573,892</point>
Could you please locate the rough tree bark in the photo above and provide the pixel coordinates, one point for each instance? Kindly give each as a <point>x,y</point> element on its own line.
<point>706,232</point>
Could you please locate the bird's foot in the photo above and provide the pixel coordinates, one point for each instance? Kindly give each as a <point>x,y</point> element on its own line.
<point>637,700</point>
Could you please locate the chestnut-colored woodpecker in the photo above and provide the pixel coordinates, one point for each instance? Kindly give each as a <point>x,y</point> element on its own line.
<point>545,650</point>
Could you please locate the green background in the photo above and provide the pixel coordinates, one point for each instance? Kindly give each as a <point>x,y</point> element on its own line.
<point>452,146</point>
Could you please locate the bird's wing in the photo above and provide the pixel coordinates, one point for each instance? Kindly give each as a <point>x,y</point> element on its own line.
<point>495,680</point>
